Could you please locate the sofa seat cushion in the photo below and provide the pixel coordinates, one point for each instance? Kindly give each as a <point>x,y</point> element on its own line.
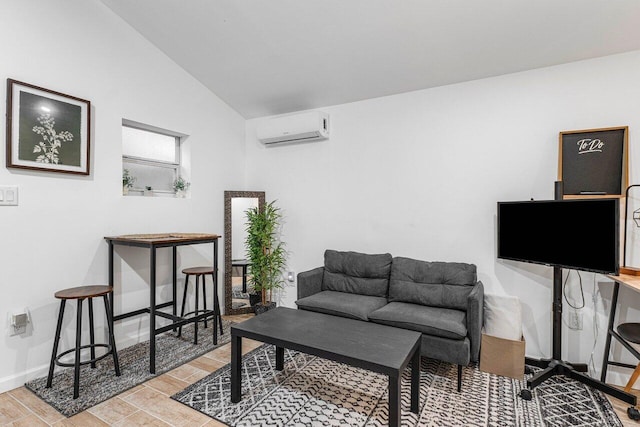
<point>437,321</point>
<point>357,273</point>
<point>342,304</point>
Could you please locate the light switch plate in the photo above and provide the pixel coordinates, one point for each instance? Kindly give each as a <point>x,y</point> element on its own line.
<point>9,195</point>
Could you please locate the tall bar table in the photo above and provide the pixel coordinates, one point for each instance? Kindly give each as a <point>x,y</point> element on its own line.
<point>154,242</point>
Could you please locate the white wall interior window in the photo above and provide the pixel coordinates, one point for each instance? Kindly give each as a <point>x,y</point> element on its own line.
<point>152,156</point>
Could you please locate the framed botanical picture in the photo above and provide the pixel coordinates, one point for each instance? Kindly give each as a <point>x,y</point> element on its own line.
<point>47,130</point>
<point>594,162</point>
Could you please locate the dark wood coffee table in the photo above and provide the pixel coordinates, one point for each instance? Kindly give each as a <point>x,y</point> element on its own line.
<point>366,345</point>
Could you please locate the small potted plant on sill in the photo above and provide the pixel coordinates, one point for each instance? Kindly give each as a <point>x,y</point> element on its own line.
<point>127,181</point>
<point>148,191</point>
<point>265,252</point>
<point>180,186</point>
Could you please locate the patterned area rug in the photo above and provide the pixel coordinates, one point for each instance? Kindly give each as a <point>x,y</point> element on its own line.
<point>312,391</point>
<point>101,383</point>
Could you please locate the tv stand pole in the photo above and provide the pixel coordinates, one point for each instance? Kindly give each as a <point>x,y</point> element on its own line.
<point>555,365</point>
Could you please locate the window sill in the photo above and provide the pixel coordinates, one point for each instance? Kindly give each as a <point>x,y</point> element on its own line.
<point>152,193</point>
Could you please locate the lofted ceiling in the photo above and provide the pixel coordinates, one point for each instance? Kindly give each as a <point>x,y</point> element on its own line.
<point>278,56</point>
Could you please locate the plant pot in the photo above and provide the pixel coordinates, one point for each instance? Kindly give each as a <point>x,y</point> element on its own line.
<point>125,190</point>
<point>181,194</point>
<point>254,299</point>
<point>259,308</point>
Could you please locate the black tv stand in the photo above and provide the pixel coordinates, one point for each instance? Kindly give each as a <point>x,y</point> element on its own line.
<point>555,365</point>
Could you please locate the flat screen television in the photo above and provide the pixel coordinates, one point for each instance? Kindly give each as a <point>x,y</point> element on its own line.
<point>575,234</point>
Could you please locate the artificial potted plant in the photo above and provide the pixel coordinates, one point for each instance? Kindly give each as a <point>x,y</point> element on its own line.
<point>180,186</point>
<point>127,181</point>
<point>265,252</point>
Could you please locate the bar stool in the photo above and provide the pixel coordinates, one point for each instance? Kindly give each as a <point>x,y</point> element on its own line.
<point>199,272</point>
<point>80,294</point>
<point>629,333</point>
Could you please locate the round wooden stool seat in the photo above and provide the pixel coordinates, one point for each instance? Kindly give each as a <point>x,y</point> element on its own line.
<point>82,292</point>
<point>198,270</point>
<point>630,332</point>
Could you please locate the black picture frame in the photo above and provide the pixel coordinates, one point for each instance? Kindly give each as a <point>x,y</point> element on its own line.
<point>47,130</point>
<point>594,162</point>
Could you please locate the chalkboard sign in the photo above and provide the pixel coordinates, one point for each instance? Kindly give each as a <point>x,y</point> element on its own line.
<point>594,162</point>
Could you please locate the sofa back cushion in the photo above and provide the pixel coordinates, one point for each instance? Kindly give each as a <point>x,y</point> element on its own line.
<point>357,273</point>
<point>435,284</point>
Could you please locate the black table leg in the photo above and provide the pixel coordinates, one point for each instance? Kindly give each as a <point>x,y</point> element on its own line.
<point>279,358</point>
<point>612,316</point>
<point>244,279</point>
<point>196,312</point>
<point>152,312</point>
<point>111,277</point>
<point>175,282</point>
<point>415,381</point>
<point>394,401</point>
<point>215,293</point>
<point>236,368</point>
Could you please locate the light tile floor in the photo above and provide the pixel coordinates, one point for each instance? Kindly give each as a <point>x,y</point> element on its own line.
<point>148,404</point>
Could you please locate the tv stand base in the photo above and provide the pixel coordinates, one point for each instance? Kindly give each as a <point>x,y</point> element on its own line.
<point>552,367</point>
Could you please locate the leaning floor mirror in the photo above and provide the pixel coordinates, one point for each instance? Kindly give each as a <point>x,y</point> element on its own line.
<point>237,268</point>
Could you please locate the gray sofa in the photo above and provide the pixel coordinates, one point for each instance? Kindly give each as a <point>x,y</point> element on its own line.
<point>443,300</point>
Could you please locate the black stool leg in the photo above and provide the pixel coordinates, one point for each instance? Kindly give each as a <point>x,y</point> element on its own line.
<point>76,369</point>
<point>56,341</point>
<point>112,340</point>
<point>217,312</point>
<point>216,307</point>
<point>195,324</point>
<point>92,340</point>
<point>204,298</point>
<point>184,300</point>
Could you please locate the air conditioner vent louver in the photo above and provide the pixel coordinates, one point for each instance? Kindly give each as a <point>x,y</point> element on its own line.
<point>309,126</point>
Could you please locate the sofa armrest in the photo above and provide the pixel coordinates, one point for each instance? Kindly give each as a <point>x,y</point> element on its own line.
<point>475,318</point>
<point>310,282</point>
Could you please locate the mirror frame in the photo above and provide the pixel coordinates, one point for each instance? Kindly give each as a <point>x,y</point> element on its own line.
<point>228,195</point>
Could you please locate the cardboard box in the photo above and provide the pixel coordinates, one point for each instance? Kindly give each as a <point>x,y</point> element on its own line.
<point>502,357</point>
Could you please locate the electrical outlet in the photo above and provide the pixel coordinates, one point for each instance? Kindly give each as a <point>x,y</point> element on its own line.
<point>575,320</point>
<point>18,323</point>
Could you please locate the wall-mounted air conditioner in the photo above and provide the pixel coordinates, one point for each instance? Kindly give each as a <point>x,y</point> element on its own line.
<point>310,126</point>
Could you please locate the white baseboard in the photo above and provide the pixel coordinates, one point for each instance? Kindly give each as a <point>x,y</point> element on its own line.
<point>17,380</point>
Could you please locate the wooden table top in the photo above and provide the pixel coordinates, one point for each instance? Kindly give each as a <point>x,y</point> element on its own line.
<point>628,280</point>
<point>157,238</point>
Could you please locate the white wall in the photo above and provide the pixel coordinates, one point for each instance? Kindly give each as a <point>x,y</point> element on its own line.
<point>419,175</point>
<point>54,238</point>
<point>416,174</point>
